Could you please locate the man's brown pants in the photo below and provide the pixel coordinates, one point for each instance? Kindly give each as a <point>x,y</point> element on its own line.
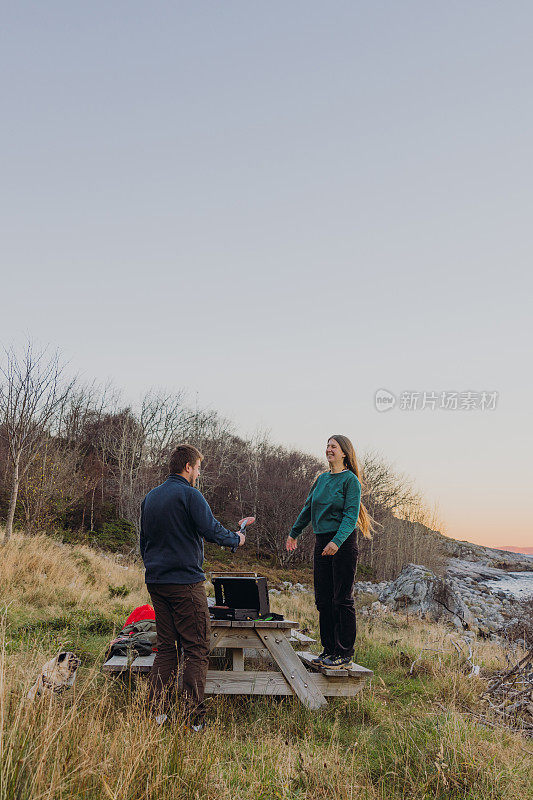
<point>181,618</point>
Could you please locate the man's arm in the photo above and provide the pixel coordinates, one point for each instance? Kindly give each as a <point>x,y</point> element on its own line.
<point>142,540</point>
<point>206,524</point>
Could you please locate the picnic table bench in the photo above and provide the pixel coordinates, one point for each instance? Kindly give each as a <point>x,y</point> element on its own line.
<point>292,673</point>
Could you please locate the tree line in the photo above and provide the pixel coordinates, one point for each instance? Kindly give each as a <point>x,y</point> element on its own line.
<point>76,460</point>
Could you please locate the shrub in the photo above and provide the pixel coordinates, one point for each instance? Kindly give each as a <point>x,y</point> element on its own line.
<point>364,572</point>
<point>522,629</point>
<point>118,591</point>
<point>118,534</point>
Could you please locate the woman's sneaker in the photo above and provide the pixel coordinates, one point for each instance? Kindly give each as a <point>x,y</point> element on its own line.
<point>320,659</point>
<point>337,662</point>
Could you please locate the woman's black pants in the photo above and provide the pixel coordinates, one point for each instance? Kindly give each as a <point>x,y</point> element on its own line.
<point>334,578</point>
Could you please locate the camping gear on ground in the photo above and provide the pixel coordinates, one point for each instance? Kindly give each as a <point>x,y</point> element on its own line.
<point>138,636</point>
<point>240,596</point>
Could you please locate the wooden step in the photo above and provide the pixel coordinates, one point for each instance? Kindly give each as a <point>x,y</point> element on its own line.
<point>142,664</point>
<point>355,671</point>
<point>299,638</point>
<point>120,664</point>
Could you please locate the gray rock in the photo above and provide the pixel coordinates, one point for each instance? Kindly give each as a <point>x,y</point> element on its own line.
<point>417,590</point>
<point>379,608</point>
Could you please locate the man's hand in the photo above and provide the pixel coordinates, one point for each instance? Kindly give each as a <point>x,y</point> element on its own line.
<point>330,549</point>
<point>242,538</point>
<point>290,544</point>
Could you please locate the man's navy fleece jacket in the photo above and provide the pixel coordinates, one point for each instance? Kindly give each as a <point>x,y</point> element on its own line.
<point>175,519</point>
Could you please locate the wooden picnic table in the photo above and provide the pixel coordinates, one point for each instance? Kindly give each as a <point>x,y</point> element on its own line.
<point>293,672</point>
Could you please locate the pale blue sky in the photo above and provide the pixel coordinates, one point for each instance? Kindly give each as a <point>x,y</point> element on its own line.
<point>283,207</point>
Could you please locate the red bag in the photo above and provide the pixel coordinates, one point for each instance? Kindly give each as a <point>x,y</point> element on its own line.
<point>140,613</point>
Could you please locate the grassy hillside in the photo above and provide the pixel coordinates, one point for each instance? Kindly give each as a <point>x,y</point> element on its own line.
<point>406,736</point>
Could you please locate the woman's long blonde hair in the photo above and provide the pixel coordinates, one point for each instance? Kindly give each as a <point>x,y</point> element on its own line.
<point>350,462</point>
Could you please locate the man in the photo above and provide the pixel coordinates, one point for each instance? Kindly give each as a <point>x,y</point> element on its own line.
<point>175,519</point>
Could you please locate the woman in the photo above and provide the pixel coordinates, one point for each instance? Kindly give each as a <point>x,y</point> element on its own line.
<point>334,509</point>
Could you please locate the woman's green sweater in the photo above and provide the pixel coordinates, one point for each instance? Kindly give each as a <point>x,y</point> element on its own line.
<point>332,506</point>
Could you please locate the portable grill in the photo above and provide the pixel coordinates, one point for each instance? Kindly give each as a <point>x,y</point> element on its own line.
<point>240,595</point>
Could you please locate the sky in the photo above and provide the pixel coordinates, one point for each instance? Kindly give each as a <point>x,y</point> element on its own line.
<point>283,208</point>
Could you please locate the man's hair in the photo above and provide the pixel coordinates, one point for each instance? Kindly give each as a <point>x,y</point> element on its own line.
<point>183,454</point>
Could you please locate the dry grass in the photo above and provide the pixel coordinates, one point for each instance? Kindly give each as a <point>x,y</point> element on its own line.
<point>406,736</point>
<point>40,572</point>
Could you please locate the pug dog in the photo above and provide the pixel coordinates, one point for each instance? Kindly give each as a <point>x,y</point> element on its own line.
<point>56,675</point>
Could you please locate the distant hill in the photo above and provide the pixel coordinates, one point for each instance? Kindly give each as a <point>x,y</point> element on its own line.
<point>510,559</point>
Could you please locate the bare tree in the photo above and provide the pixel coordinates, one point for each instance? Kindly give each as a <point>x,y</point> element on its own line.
<point>136,443</point>
<point>32,397</point>
<point>388,491</point>
<point>403,533</point>
<point>52,484</point>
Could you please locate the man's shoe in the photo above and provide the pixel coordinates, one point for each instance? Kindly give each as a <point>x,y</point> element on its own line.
<point>337,662</point>
<point>320,659</point>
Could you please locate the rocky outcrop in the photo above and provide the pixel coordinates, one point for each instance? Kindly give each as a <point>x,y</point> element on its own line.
<point>417,590</point>
<point>491,596</point>
<point>502,583</point>
<point>485,556</point>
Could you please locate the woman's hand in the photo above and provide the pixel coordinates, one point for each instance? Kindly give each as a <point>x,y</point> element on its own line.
<point>290,544</point>
<point>330,549</point>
